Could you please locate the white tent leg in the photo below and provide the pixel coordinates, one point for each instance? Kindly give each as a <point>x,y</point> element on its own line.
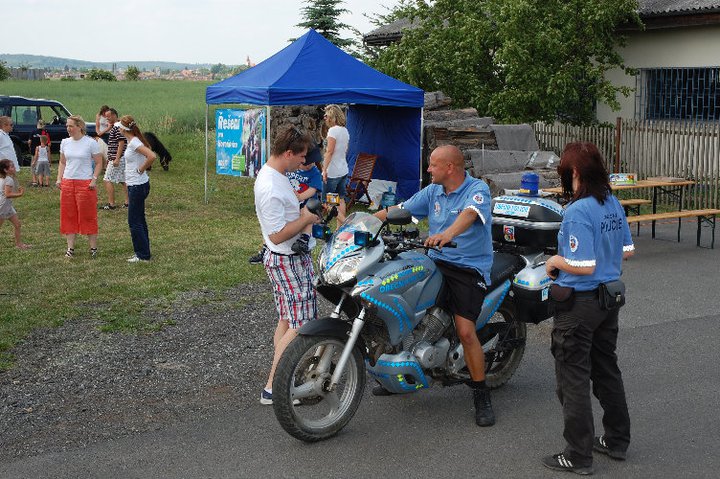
<point>267,131</point>
<point>207,112</point>
<point>422,131</point>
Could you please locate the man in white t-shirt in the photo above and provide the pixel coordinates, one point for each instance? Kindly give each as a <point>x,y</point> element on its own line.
<point>7,149</point>
<point>282,222</point>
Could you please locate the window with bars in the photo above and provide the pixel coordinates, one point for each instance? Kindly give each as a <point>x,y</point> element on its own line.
<point>678,94</point>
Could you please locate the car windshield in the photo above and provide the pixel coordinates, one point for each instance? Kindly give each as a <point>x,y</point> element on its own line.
<point>343,241</point>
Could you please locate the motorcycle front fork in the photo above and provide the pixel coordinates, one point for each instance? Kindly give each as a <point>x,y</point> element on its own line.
<point>357,326</point>
<point>324,363</point>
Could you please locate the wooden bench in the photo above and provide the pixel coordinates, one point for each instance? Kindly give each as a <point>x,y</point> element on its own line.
<point>634,202</point>
<point>633,206</point>
<point>703,216</point>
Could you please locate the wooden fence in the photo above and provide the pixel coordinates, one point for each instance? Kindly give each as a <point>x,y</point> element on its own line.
<point>652,148</point>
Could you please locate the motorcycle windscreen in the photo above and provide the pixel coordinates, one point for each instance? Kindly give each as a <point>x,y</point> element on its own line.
<point>342,242</point>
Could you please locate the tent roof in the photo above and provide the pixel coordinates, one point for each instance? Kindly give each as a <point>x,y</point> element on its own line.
<point>313,71</point>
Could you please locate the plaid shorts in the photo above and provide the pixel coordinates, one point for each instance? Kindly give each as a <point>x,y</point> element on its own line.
<point>293,290</point>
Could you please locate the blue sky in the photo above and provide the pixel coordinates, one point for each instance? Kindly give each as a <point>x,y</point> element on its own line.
<point>192,31</point>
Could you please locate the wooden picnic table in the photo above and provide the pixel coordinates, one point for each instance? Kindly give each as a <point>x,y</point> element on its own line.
<point>673,189</point>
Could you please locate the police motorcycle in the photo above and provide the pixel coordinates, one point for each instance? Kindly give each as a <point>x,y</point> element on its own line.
<point>385,321</point>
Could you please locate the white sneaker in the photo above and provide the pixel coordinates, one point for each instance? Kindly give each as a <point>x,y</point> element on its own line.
<point>135,259</point>
<point>266,398</point>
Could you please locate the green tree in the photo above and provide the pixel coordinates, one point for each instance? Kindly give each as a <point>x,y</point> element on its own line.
<point>97,74</point>
<point>517,60</point>
<point>132,73</point>
<point>4,71</point>
<point>323,17</point>
<point>219,68</point>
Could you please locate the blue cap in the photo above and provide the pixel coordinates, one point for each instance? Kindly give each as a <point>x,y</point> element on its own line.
<point>314,155</point>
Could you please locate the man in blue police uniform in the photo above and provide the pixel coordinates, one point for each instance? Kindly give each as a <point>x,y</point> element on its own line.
<point>458,209</point>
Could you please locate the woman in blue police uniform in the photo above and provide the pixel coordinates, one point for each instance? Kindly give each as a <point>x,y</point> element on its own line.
<point>593,240</point>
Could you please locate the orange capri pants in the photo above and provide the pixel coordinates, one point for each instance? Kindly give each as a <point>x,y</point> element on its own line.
<point>78,208</point>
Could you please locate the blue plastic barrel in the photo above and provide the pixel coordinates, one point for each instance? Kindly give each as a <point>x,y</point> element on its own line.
<point>529,184</point>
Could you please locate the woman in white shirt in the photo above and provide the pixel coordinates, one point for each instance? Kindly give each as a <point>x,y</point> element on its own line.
<point>335,167</point>
<point>78,170</point>
<point>138,158</point>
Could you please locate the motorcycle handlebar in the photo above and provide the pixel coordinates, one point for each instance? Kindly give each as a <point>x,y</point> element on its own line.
<point>414,243</point>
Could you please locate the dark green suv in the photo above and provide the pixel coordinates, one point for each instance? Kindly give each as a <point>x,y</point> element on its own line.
<point>25,113</point>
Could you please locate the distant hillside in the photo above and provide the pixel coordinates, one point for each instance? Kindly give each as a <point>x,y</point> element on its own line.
<point>55,63</point>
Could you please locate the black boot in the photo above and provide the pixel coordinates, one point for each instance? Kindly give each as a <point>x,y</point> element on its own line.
<point>484,415</point>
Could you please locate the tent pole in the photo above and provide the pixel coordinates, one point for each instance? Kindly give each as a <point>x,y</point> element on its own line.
<point>267,131</point>
<point>422,131</point>
<point>207,112</point>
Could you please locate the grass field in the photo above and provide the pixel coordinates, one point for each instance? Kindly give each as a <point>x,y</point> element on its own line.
<point>195,246</point>
<point>159,106</point>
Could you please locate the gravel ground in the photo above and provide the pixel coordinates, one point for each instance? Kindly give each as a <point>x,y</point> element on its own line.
<point>75,385</point>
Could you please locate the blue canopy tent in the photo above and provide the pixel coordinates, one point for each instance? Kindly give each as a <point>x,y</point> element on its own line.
<point>385,114</point>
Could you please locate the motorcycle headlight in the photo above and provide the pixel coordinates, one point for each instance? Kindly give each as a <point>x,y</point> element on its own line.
<point>343,271</point>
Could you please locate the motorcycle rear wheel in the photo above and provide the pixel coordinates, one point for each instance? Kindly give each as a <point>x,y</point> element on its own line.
<point>503,359</point>
<point>303,374</point>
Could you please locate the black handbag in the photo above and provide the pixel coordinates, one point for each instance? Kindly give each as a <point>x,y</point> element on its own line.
<point>612,295</point>
<point>562,298</point>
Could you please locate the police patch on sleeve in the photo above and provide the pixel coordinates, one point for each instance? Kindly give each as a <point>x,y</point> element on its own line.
<point>573,243</point>
<point>478,199</point>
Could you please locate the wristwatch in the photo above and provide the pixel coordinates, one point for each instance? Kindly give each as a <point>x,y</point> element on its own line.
<point>138,171</point>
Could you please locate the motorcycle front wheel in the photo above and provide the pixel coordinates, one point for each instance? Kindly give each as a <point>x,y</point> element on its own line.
<point>303,403</point>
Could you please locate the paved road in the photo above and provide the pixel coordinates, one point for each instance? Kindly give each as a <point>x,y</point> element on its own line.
<point>669,355</point>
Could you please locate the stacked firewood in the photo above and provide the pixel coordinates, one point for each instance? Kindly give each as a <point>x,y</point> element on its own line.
<point>499,154</point>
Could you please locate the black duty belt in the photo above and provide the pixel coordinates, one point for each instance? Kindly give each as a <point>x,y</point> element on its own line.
<point>593,293</point>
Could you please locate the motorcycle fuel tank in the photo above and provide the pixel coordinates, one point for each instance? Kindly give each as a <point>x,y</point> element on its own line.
<point>401,291</point>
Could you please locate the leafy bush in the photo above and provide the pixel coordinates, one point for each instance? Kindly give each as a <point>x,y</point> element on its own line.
<point>4,71</point>
<point>132,73</point>
<point>97,74</point>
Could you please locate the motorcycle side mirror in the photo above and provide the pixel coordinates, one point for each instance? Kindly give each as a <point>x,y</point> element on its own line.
<point>314,206</point>
<point>321,231</point>
<point>399,217</point>
<point>363,238</point>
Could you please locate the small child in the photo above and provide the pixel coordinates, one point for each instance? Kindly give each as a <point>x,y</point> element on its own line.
<point>41,163</point>
<point>7,191</point>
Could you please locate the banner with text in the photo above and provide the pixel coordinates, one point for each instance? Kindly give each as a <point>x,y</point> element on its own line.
<point>239,145</point>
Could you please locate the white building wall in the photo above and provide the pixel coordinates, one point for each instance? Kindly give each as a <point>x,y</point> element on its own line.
<point>668,48</point>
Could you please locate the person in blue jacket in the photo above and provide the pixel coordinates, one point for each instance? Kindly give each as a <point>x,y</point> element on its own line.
<point>593,240</point>
<point>457,207</point>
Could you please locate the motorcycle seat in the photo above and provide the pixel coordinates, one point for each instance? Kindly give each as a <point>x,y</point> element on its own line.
<point>504,266</point>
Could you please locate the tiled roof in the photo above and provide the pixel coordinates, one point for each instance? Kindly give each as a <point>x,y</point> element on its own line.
<point>653,8</point>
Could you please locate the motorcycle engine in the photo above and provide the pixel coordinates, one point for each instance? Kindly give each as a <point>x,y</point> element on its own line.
<point>426,341</point>
<point>430,329</point>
